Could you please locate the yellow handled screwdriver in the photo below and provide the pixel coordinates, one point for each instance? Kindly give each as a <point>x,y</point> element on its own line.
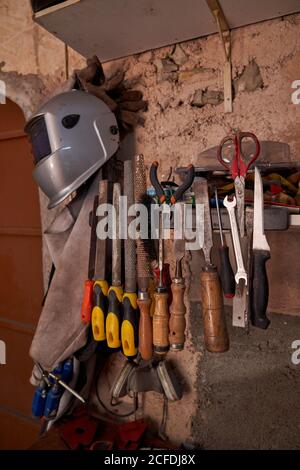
<point>100,289</point>
<point>115,292</point>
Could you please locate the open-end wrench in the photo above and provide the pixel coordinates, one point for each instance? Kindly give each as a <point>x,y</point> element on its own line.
<point>241,272</point>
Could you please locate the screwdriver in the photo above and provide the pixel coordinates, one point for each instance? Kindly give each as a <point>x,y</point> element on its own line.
<point>177,322</point>
<point>226,272</point>
<point>86,307</point>
<point>115,292</point>
<point>161,310</point>
<point>129,328</point>
<point>100,289</point>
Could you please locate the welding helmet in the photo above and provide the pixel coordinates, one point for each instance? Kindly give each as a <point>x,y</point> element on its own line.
<point>72,136</point>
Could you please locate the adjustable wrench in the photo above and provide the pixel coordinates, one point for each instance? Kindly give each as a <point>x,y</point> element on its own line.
<point>241,272</point>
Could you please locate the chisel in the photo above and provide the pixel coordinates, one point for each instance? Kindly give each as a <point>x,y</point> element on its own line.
<point>259,293</point>
<point>226,272</point>
<point>86,307</point>
<point>129,328</point>
<point>115,292</point>
<point>100,290</point>
<point>214,323</point>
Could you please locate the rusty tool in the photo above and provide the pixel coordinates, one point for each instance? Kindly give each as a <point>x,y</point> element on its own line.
<point>144,274</point>
<point>129,328</point>
<point>214,323</point>
<point>115,293</point>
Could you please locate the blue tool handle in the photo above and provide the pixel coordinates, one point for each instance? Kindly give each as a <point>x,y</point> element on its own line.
<point>67,372</point>
<point>52,401</point>
<point>39,401</point>
<point>58,370</point>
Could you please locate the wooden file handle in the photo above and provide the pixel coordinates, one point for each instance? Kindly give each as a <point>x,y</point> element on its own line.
<point>177,317</point>
<point>161,323</point>
<point>214,323</point>
<point>145,329</point>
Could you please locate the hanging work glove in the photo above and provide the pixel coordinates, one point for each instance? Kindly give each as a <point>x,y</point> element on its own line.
<point>123,102</point>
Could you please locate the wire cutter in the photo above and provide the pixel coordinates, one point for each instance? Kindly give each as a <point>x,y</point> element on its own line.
<point>237,153</point>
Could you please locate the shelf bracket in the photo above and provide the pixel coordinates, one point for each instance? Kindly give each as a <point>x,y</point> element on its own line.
<point>224,33</point>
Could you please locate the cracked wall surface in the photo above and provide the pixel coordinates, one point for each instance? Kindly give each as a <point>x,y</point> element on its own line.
<point>184,89</point>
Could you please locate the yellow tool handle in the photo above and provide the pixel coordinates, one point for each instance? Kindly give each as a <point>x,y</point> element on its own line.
<point>161,323</point>
<point>99,311</point>
<point>113,319</point>
<point>129,328</point>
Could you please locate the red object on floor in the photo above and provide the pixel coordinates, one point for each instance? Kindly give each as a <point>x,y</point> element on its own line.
<point>131,434</point>
<point>79,431</point>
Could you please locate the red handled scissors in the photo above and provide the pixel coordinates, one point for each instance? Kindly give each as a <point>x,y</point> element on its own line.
<point>237,153</point>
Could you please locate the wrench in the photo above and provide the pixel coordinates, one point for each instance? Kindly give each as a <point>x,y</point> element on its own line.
<point>241,273</point>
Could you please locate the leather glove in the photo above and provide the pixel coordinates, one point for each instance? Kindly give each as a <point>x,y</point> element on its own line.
<point>125,103</point>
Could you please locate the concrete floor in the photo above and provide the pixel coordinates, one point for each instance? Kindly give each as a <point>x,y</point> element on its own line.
<point>248,398</point>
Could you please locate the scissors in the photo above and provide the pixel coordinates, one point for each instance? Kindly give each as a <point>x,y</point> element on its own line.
<point>246,149</point>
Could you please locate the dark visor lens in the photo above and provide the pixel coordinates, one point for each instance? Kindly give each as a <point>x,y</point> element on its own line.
<point>37,132</point>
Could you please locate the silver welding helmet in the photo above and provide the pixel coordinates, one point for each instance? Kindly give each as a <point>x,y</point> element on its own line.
<point>72,136</point>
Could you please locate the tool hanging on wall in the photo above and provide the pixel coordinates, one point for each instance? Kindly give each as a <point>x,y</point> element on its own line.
<point>259,293</point>
<point>100,289</point>
<point>115,293</point>
<point>237,156</point>
<point>237,153</point>
<point>226,272</point>
<point>161,312</point>
<point>214,323</point>
<point>177,321</point>
<point>241,272</point>
<point>47,396</point>
<point>144,274</point>
<point>87,302</point>
<point>130,323</point>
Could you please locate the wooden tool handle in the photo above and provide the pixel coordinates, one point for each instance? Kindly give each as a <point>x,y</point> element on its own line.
<point>145,329</point>
<point>214,324</point>
<point>177,317</point>
<point>161,323</point>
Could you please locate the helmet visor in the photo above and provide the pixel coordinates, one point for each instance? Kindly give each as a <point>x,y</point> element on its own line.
<point>38,134</point>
